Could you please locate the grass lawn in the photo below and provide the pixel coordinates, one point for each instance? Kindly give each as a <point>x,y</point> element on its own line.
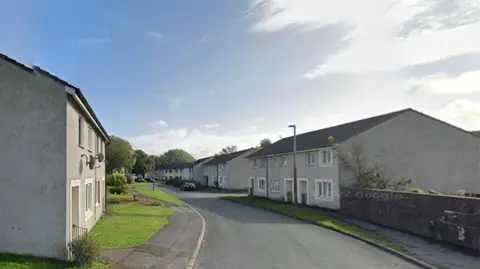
<point>10,261</point>
<point>322,218</point>
<point>129,223</point>
<point>145,189</point>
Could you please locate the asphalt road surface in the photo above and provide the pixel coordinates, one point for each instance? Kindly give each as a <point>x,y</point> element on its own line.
<point>242,237</point>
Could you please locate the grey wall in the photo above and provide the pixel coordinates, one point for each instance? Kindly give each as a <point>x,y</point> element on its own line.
<point>32,181</point>
<point>198,172</point>
<point>237,171</point>
<point>211,172</point>
<point>434,155</point>
<point>309,173</point>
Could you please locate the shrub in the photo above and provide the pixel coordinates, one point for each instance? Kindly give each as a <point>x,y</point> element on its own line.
<point>118,189</point>
<point>460,193</point>
<point>415,190</point>
<point>85,250</point>
<point>116,179</point>
<point>431,191</point>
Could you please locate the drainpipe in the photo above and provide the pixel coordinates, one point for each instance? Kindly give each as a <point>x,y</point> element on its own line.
<point>267,179</point>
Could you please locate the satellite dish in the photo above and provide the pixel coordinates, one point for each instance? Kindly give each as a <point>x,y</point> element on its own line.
<point>100,157</point>
<point>91,162</point>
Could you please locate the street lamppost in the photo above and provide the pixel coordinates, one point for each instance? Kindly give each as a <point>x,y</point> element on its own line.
<point>294,162</point>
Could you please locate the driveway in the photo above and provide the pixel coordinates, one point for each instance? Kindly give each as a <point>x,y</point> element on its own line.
<point>241,237</point>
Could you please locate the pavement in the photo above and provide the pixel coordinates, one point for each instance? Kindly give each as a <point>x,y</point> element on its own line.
<point>241,237</point>
<point>170,248</point>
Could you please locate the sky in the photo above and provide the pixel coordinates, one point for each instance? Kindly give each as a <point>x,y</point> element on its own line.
<point>202,75</point>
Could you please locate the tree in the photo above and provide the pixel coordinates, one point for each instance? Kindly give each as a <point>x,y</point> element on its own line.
<point>366,174</point>
<point>175,156</point>
<point>228,149</point>
<point>143,163</point>
<point>264,143</point>
<point>119,155</point>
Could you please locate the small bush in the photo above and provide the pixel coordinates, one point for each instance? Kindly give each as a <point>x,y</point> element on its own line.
<point>460,193</point>
<point>415,190</point>
<point>116,179</point>
<point>431,191</point>
<point>118,189</point>
<point>85,250</point>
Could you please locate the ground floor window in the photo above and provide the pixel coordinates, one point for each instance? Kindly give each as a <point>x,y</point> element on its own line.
<point>323,189</point>
<point>261,184</point>
<point>98,187</point>
<point>275,187</point>
<point>88,197</point>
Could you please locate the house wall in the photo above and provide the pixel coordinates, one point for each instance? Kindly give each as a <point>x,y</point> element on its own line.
<point>78,172</point>
<point>211,172</point>
<point>185,173</point>
<point>33,178</point>
<point>434,155</point>
<point>237,172</point>
<point>198,172</point>
<point>308,173</point>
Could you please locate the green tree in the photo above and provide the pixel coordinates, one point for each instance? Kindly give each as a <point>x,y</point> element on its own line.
<point>228,149</point>
<point>143,162</point>
<point>119,155</point>
<point>175,156</point>
<point>264,143</point>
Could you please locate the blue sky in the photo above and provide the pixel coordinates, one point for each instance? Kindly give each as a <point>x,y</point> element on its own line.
<point>204,74</point>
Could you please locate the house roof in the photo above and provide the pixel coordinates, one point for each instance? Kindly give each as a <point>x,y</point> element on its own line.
<point>78,92</point>
<point>475,133</point>
<point>226,157</point>
<point>319,138</point>
<point>202,159</point>
<point>173,166</point>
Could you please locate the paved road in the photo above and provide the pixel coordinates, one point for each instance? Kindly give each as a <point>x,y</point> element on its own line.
<point>241,237</point>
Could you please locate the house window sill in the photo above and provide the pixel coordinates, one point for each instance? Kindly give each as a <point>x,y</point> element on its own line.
<point>324,199</point>
<point>275,191</point>
<point>326,165</point>
<point>310,164</point>
<point>261,190</point>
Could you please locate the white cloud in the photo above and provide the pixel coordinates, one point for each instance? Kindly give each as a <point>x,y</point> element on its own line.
<point>442,84</point>
<point>211,126</point>
<point>464,113</point>
<point>159,123</point>
<point>176,102</point>
<point>155,35</point>
<point>373,42</point>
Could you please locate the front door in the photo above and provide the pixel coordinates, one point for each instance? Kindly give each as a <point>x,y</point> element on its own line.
<point>251,184</point>
<point>302,190</point>
<point>288,190</point>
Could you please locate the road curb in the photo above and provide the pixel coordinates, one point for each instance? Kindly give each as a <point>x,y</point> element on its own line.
<point>194,256</point>
<point>369,242</point>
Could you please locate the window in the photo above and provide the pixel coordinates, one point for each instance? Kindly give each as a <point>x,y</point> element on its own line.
<point>261,184</point>
<point>263,161</point>
<point>97,193</point>
<point>221,167</point>
<point>275,187</point>
<point>326,157</point>
<point>97,144</point>
<point>284,160</point>
<point>80,131</point>
<point>310,158</point>
<point>323,189</point>
<point>254,163</point>
<point>88,197</point>
<point>169,171</point>
<point>90,137</point>
<point>101,145</point>
<point>273,162</point>
<point>176,170</point>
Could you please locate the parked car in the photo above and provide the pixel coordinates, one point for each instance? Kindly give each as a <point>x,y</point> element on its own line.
<point>188,186</point>
<point>148,179</point>
<point>138,179</point>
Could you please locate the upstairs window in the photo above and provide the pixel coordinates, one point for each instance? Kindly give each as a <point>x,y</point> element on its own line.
<point>254,163</point>
<point>326,157</point>
<point>262,164</point>
<point>284,160</point>
<point>310,158</point>
<point>90,138</point>
<point>80,131</point>
<point>273,162</point>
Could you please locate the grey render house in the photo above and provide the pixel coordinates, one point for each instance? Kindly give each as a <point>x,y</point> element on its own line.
<point>405,143</point>
<point>172,170</point>
<point>49,136</point>
<point>229,170</point>
<point>198,169</point>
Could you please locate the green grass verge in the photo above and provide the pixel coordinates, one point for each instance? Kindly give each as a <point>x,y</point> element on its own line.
<point>11,261</point>
<point>145,189</point>
<point>322,218</point>
<point>129,223</point>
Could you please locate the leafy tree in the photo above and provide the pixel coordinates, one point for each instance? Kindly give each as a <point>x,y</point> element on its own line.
<point>264,143</point>
<point>228,149</point>
<point>119,155</point>
<point>143,162</point>
<point>175,156</point>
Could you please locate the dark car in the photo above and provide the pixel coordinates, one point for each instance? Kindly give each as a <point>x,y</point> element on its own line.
<point>148,179</point>
<point>188,186</point>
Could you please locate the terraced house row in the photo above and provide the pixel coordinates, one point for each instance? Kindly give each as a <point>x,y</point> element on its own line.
<point>402,144</point>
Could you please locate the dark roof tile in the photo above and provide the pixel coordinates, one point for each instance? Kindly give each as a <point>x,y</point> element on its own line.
<point>173,166</point>
<point>226,157</point>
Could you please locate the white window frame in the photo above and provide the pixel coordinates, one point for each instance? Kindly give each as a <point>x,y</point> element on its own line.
<point>285,188</point>
<point>260,179</point>
<point>88,199</point>
<point>97,144</point>
<point>283,161</point>
<point>310,158</point>
<point>98,193</point>
<point>323,197</point>
<point>263,161</point>
<point>320,159</point>
<point>275,186</point>
<point>90,138</point>
<point>81,138</point>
